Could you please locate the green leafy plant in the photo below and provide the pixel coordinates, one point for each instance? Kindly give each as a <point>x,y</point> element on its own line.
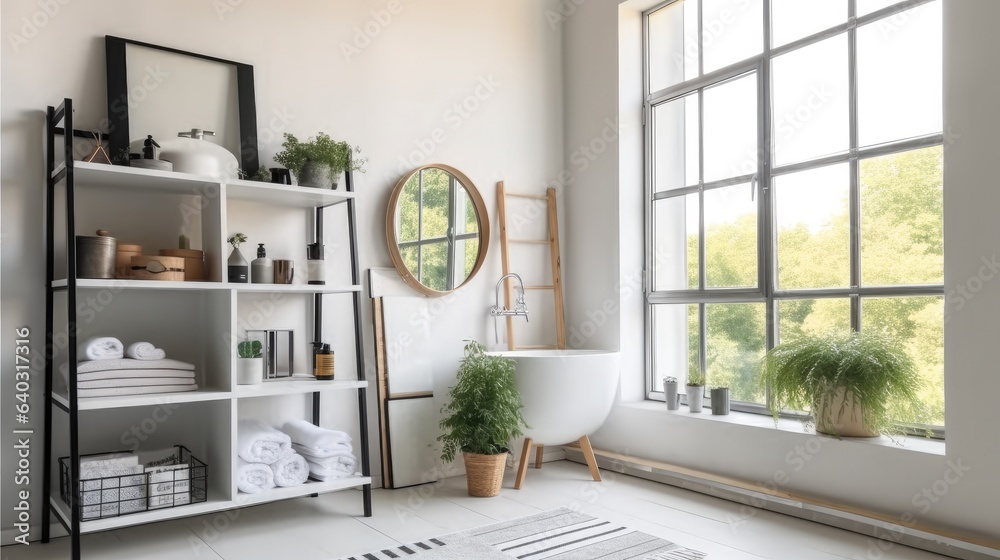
<point>249,349</point>
<point>339,155</point>
<point>484,409</point>
<point>669,380</point>
<point>237,239</point>
<point>871,366</point>
<point>262,175</point>
<point>696,379</point>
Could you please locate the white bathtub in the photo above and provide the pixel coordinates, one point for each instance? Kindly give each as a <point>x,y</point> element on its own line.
<point>567,394</point>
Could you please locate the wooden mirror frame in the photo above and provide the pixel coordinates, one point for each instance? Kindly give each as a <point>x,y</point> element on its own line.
<point>482,217</point>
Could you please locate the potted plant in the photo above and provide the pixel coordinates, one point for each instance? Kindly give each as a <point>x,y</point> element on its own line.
<point>695,391</point>
<point>670,393</point>
<point>483,413</point>
<point>249,363</point>
<point>858,384</point>
<point>320,161</point>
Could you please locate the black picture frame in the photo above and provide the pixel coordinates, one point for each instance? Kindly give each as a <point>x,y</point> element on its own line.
<point>118,118</point>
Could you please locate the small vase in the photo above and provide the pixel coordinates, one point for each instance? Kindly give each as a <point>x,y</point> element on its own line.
<point>670,392</point>
<point>319,175</point>
<point>249,371</point>
<point>696,395</point>
<point>238,267</point>
<point>720,401</point>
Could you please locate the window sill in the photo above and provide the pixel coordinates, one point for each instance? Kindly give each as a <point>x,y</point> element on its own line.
<point>762,422</point>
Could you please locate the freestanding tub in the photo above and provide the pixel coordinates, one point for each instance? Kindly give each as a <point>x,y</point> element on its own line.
<point>567,395</point>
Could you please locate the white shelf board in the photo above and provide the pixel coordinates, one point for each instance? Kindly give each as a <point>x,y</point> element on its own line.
<point>285,195</point>
<point>115,284</point>
<point>310,487</point>
<point>141,180</point>
<point>294,387</point>
<point>151,516</point>
<point>296,288</point>
<point>100,403</point>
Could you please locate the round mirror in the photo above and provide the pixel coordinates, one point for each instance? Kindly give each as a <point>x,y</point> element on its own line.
<point>437,229</point>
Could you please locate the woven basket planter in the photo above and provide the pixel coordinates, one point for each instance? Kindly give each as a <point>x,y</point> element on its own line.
<point>484,473</point>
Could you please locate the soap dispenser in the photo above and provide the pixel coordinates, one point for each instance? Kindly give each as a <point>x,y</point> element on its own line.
<point>262,268</point>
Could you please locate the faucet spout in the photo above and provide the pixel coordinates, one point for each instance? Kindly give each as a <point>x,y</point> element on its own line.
<point>520,307</point>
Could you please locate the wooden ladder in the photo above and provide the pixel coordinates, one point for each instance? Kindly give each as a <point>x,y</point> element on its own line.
<point>556,287</point>
<point>553,243</point>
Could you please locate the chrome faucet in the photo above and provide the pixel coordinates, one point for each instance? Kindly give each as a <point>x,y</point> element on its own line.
<point>520,308</point>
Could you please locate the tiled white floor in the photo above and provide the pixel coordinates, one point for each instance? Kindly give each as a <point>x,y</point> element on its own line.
<point>326,527</point>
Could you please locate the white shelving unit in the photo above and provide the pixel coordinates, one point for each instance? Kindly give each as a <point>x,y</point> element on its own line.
<point>200,318</point>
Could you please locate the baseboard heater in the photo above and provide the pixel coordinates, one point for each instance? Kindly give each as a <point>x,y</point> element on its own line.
<point>857,520</point>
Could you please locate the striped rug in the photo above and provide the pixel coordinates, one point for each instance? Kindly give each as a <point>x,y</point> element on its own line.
<point>560,534</point>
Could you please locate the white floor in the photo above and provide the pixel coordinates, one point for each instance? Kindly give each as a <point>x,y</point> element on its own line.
<point>326,527</point>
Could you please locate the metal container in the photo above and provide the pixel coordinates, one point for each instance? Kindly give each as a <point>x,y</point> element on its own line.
<point>95,256</point>
<point>720,401</point>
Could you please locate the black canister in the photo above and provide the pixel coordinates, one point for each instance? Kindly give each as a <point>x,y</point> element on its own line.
<point>95,256</point>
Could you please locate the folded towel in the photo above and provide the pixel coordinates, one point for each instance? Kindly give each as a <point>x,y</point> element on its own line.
<point>314,453</point>
<point>100,348</point>
<point>253,478</point>
<point>290,470</point>
<point>343,462</point>
<point>319,473</point>
<point>144,351</point>
<point>134,382</point>
<point>257,443</point>
<point>315,440</point>
<point>137,374</point>
<point>124,391</point>
<point>126,363</point>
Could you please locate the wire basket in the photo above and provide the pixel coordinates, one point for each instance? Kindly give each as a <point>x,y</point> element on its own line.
<point>179,481</point>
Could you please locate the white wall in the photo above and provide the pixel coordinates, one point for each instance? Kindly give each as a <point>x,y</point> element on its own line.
<point>389,98</point>
<point>880,478</point>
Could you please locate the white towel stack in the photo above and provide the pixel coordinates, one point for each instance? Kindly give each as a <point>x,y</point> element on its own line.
<point>328,453</point>
<point>263,448</point>
<point>107,369</point>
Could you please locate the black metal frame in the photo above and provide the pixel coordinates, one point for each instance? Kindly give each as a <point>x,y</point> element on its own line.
<point>65,173</point>
<point>117,80</point>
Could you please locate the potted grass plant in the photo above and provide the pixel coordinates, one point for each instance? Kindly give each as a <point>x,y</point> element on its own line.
<point>695,391</point>
<point>857,384</point>
<point>320,161</point>
<point>483,413</point>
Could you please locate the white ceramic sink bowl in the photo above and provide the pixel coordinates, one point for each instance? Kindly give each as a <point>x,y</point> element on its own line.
<point>567,394</point>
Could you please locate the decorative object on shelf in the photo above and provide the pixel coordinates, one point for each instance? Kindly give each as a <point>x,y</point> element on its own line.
<point>123,259</point>
<point>156,267</point>
<point>191,153</point>
<point>149,160</point>
<point>857,384</point>
<point>324,369</point>
<point>284,271</point>
<point>250,363</point>
<point>279,351</point>
<point>670,393</point>
<point>262,175</point>
<point>320,161</point>
<point>262,268</point>
<point>479,422</point>
<point>720,401</point>
<point>315,265</point>
<point>453,195</point>
<point>95,256</point>
<point>238,271</point>
<point>217,94</point>
<point>194,262</point>
<point>695,391</point>
<point>281,176</point>
<point>98,154</point>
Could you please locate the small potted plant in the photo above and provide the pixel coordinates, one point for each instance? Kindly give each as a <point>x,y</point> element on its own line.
<point>483,414</point>
<point>670,393</point>
<point>320,161</point>
<point>857,384</point>
<point>695,391</point>
<point>249,362</point>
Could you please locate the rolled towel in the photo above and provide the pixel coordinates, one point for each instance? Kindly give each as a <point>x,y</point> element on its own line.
<point>344,462</point>
<point>100,348</point>
<point>257,443</point>
<point>144,351</point>
<point>290,470</point>
<point>317,440</point>
<point>253,478</point>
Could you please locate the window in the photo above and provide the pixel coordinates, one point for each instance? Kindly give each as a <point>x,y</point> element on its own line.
<point>437,229</point>
<point>794,182</point>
